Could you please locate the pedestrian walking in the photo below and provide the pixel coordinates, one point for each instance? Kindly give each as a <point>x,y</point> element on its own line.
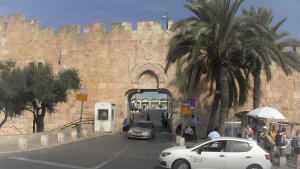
<point>125,126</point>
<point>194,125</point>
<point>148,117</point>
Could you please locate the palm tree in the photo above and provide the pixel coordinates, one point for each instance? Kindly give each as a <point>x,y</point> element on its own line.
<point>222,36</point>
<point>255,65</point>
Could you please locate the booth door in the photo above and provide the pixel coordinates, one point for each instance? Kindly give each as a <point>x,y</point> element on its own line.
<point>104,120</point>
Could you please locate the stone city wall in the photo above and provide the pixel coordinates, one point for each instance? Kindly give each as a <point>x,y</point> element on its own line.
<point>114,65</point>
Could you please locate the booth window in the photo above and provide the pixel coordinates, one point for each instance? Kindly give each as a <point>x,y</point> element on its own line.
<point>102,114</point>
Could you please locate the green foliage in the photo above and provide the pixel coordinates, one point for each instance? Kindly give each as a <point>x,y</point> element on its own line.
<point>34,88</point>
<point>224,47</point>
<point>12,97</point>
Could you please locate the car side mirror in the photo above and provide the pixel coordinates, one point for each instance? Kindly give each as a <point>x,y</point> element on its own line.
<point>199,150</point>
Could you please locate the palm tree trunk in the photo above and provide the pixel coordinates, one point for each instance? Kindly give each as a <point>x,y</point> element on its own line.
<point>224,96</point>
<point>256,88</point>
<point>214,110</point>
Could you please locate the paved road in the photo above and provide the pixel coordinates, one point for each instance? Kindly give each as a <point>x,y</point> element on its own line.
<point>105,152</point>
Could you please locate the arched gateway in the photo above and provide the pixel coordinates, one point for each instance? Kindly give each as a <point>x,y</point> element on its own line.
<point>113,66</point>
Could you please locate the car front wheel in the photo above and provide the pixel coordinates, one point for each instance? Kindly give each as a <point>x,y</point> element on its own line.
<point>181,164</point>
<point>254,167</point>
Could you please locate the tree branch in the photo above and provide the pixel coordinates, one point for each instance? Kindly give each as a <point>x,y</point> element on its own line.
<point>5,118</point>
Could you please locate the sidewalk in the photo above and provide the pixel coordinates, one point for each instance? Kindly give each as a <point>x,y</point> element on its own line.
<point>289,162</point>
<point>35,144</point>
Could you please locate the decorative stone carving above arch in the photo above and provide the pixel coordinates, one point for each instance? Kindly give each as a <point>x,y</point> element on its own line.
<point>138,69</point>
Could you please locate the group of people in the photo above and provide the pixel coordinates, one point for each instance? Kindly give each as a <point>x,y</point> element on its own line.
<point>276,138</point>
<point>190,131</point>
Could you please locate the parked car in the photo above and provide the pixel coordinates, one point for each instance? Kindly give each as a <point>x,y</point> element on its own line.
<point>217,153</point>
<point>142,129</point>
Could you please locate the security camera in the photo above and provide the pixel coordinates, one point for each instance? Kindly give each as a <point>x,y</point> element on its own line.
<point>164,17</point>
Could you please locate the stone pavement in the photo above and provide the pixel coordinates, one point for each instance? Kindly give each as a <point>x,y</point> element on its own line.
<point>35,144</point>
<point>289,161</point>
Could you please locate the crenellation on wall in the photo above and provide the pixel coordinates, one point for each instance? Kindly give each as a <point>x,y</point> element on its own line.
<point>94,27</point>
<point>18,17</point>
<point>2,19</point>
<point>69,29</point>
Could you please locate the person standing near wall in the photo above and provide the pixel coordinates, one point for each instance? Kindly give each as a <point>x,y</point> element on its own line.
<point>297,149</point>
<point>125,126</point>
<point>248,131</point>
<point>273,133</point>
<point>194,125</point>
<point>148,117</point>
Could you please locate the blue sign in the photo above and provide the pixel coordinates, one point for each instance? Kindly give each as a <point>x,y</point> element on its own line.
<point>191,103</point>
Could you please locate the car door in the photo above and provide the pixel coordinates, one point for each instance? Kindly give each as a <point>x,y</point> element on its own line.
<point>239,154</point>
<point>208,159</point>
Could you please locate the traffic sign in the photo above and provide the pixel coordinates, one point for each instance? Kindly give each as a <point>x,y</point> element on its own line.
<point>185,110</point>
<point>191,103</point>
<point>84,91</point>
<point>184,104</point>
<point>81,97</point>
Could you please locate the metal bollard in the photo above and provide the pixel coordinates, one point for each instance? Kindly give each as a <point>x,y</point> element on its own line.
<point>44,140</point>
<point>61,137</point>
<point>182,141</point>
<point>74,134</point>
<point>84,132</point>
<point>22,143</point>
<point>282,158</point>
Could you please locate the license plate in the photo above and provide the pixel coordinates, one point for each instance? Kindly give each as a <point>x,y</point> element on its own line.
<point>138,135</point>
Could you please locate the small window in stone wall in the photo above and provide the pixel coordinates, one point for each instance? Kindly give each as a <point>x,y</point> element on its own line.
<point>102,114</point>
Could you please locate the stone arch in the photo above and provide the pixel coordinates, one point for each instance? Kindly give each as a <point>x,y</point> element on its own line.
<point>141,68</point>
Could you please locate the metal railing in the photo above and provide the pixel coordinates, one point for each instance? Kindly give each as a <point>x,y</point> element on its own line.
<point>76,123</point>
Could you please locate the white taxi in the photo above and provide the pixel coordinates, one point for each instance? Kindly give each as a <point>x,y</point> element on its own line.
<point>217,153</point>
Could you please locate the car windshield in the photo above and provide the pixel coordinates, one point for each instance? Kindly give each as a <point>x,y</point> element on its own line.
<point>142,125</point>
<point>197,144</point>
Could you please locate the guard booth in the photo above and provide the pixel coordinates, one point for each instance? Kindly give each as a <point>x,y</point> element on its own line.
<point>104,117</point>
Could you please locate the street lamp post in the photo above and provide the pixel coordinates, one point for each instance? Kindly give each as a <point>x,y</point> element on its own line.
<point>167,19</point>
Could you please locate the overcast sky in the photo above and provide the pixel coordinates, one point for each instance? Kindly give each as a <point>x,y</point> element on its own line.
<point>55,13</point>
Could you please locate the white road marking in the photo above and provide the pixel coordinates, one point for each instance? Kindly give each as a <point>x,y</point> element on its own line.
<point>113,157</point>
<point>46,162</point>
<point>124,154</point>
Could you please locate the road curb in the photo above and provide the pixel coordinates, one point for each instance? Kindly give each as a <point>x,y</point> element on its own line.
<point>45,147</point>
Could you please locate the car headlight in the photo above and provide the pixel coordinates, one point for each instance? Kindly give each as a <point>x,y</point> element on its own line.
<point>165,154</point>
<point>145,133</point>
<point>129,131</point>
